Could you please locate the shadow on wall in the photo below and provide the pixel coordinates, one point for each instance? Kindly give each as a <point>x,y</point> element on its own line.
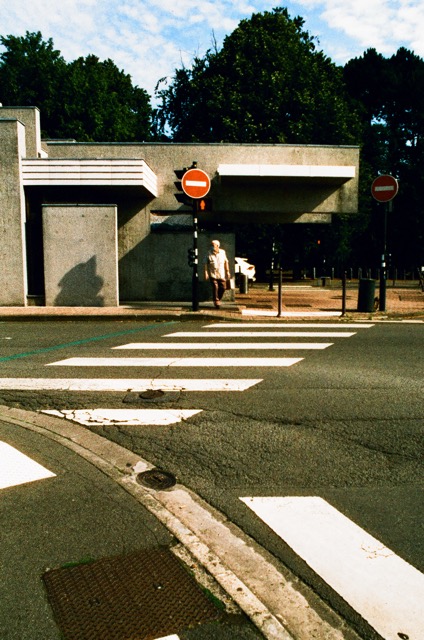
<point>80,286</point>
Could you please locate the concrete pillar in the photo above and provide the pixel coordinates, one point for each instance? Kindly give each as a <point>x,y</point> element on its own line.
<point>13,283</point>
<point>80,255</point>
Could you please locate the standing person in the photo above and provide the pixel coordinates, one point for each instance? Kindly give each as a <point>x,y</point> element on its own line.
<point>217,270</point>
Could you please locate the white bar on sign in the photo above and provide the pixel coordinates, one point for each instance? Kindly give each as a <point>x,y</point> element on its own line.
<point>124,417</point>
<point>128,384</point>
<point>383,588</point>
<point>16,468</point>
<point>388,188</point>
<point>175,362</point>
<point>195,183</point>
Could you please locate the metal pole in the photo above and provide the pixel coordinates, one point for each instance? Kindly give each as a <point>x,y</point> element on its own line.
<point>195,277</point>
<point>383,273</point>
<point>280,290</point>
<point>344,293</point>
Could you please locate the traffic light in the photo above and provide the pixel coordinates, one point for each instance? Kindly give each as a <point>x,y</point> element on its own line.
<point>191,257</point>
<point>203,205</point>
<point>182,197</point>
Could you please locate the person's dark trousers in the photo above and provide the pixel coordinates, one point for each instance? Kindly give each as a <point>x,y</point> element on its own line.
<point>218,289</point>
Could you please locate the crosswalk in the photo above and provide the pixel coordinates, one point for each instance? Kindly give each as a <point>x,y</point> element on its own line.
<point>384,589</point>
<point>232,338</point>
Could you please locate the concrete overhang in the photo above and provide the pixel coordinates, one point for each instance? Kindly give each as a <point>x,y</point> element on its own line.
<point>98,172</point>
<point>336,174</point>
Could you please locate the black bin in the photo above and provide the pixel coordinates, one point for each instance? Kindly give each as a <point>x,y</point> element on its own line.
<point>243,283</point>
<point>366,294</point>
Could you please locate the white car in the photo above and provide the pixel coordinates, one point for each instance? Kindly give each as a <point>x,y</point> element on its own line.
<point>244,267</point>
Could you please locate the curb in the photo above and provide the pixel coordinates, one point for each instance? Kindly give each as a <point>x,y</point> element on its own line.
<point>279,605</point>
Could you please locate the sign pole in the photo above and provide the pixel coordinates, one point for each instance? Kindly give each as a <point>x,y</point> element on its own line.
<point>195,275</point>
<point>196,184</point>
<point>384,188</point>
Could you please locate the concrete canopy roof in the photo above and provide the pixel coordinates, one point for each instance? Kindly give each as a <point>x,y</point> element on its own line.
<point>339,173</point>
<point>83,172</point>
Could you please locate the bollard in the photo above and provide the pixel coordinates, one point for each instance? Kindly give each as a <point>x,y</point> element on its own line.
<point>244,283</point>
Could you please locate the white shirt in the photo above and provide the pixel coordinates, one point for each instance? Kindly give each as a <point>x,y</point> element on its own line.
<point>217,264</point>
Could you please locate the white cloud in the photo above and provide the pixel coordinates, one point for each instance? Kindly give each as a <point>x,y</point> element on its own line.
<point>347,29</point>
<point>150,38</point>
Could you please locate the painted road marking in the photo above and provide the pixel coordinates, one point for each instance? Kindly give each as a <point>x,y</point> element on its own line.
<point>175,362</point>
<point>260,334</point>
<point>292,314</point>
<point>76,343</point>
<point>384,589</point>
<point>228,346</point>
<point>126,384</point>
<point>124,417</point>
<point>16,468</point>
<point>295,325</point>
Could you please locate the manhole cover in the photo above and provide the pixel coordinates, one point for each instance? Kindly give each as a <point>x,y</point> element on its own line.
<point>156,479</point>
<point>144,595</point>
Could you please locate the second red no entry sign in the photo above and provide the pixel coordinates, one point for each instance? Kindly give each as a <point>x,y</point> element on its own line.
<point>384,188</point>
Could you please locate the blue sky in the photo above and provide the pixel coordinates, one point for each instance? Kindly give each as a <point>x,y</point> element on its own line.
<point>150,38</point>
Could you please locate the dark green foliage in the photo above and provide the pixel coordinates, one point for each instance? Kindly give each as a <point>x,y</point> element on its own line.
<point>268,84</point>
<point>87,99</point>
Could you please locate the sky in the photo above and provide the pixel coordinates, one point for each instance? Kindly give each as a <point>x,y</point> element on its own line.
<point>149,39</point>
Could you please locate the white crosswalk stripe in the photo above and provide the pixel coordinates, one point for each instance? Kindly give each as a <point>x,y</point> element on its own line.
<point>175,362</point>
<point>260,334</point>
<point>124,417</point>
<point>127,384</point>
<point>384,589</point>
<point>16,468</point>
<point>217,346</point>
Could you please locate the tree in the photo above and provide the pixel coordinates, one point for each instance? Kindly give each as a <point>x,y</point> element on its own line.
<point>391,94</point>
<point>87,99</point>
<point>102,104</point>
<point>32,73</point>
<point>268,84</point>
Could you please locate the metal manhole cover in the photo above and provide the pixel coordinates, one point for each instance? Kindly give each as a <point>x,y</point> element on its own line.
<point>156,479</point>
<point>145,595</point>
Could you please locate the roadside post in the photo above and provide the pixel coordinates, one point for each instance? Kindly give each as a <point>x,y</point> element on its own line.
<point>195,185</point>
<point>280,290</point>
<point>383,189</point>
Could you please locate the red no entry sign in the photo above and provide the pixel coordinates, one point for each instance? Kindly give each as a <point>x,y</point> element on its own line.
<point>384,188</point>
<point>195,183</point>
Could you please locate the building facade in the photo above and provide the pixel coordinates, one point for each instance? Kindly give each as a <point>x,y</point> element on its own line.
<point>98,224</point>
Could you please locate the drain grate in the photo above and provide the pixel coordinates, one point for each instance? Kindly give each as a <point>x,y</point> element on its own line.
<point>141,596</point>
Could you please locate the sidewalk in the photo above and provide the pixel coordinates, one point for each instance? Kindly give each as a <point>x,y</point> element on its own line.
<point>297,301</point>
<point>90,549</point>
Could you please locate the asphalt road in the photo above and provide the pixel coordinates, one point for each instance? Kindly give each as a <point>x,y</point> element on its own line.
<point>342,423</point>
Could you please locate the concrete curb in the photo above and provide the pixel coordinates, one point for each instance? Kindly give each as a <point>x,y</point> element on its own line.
<point>279,605</point>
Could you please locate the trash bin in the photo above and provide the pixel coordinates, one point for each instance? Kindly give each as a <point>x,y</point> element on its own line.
<point>366,294</point>
<point>244,283</point>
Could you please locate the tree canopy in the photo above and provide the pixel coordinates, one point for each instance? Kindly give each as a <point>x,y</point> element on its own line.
<point>268,84</point>
<point>87,99</point>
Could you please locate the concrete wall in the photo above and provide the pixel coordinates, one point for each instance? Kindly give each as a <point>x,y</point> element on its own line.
<point>242,200</point>
<point>80,255</point>
<point>164,273</point>
<point>30,118</point>
<point>13,283</point>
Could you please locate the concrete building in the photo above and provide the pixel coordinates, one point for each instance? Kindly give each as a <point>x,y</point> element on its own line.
<point>80,222</point>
